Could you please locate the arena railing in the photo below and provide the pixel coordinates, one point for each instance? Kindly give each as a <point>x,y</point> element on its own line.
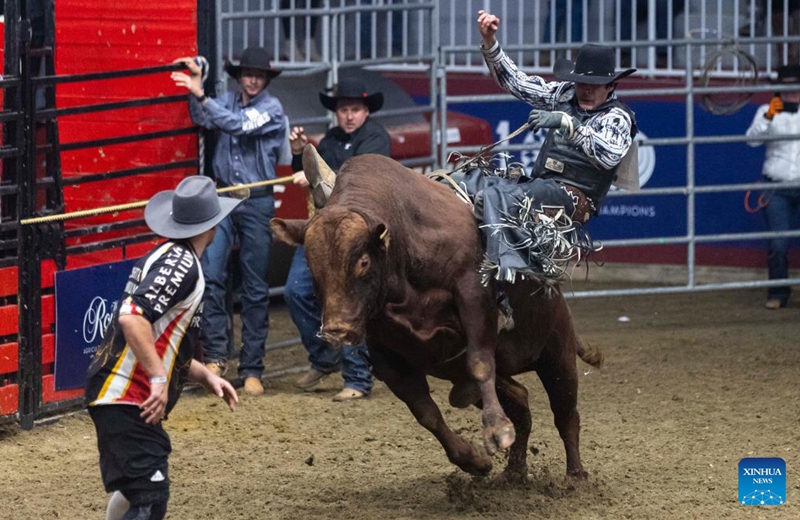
<point>307,37</point>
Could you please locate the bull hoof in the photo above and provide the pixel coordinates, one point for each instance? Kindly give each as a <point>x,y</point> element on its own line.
<point>577,474</point>
<point>512,476</point>
<point>472,460</point>
<point>498,436</point>
<point>480,467</point>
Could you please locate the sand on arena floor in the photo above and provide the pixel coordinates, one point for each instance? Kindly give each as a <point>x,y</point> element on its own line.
<point>692,384</point>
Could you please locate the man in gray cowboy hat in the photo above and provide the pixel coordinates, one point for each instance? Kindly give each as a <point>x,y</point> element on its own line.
<point>589,131</point>
<point>355,134</point>
<point>148,350</point>
<point>251,128</point>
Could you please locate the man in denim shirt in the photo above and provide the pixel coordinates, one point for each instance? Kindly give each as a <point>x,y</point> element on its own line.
<point>251,127</point>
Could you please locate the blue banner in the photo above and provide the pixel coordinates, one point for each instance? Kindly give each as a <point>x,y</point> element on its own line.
<point>85,303</point>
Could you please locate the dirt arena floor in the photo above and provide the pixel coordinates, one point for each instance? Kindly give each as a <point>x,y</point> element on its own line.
<point>692,384</point>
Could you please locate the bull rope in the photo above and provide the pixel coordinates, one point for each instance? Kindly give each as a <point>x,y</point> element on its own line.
<point>489,148</point>
<point>141,204</point>
<point>445,175</point>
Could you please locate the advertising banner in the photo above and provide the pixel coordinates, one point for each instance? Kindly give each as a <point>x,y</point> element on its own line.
<point>85,303</point>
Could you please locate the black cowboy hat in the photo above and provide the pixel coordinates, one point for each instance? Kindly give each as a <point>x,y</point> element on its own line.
<point>788,74</point>
<point>253,58</point>
<point>594,65</point>
<point>352,89</point>
<point>190,210</point>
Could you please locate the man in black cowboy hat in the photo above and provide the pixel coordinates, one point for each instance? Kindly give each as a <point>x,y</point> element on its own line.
<point>147,355</point>
<point>781,164</point>
<point>589,131</point>
<point>251,127</point>
<point>355,134</point>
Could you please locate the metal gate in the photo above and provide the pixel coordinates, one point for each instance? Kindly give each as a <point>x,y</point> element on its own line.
<point>34,242</point>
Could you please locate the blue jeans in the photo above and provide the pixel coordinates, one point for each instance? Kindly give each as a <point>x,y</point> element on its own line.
<point>305,312</point>
<point>248,225</point>
<point>783,207</point>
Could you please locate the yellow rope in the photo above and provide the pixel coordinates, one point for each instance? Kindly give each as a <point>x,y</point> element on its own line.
<point>312,209</point>
<point>140,204</point>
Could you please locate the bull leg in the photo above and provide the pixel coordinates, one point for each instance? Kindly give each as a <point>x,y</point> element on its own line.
<point>514,398</point>
<point>411,387</point>
<point>560,381</point>
<point>479,319</point>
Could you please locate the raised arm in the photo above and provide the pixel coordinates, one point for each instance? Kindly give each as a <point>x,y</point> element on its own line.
<point>532,89</point>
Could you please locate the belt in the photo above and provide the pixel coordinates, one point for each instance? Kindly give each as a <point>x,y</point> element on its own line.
<point>247,193</point>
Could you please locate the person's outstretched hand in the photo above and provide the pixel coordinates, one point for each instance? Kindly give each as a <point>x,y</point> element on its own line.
<point>298,140</point>
<point>488,25</point>
<point>775,107</point>
<point>193,81</point>
<point>220,387</point>
<point>538,119</point>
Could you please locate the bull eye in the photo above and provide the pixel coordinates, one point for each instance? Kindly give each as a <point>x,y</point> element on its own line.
<point>363,264</point>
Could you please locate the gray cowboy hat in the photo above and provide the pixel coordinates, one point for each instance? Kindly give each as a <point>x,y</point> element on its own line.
<point>594,65</point>
<point>191,209</point>
<point>352,89</point>
<point>253,58</point>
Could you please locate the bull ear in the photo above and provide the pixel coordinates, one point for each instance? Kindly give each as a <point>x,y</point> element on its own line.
<point>380,237</point>
<point>290,232</point>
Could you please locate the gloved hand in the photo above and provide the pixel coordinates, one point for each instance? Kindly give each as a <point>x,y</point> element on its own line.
<point>543,119</point>
<point>775,107</point>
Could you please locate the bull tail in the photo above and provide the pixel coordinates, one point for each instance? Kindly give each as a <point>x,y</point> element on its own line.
<point>590,354</point>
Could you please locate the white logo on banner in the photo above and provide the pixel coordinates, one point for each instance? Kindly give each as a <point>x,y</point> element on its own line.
<point>96,319</point>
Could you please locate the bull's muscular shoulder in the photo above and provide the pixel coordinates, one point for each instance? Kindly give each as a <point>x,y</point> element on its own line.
<point>427,222</point>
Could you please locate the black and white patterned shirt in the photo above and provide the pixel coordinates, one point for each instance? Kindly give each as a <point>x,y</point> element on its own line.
<point>605,137</point>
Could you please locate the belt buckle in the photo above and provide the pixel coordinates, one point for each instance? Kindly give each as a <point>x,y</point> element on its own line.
<point>240,193</point>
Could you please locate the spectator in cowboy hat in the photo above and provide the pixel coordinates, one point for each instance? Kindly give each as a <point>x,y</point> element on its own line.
<point>355,134</point>
<point>137,374</point>
<point>251,129</point>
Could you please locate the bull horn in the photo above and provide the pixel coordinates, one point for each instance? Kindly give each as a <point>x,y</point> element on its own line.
<point>320,176</point>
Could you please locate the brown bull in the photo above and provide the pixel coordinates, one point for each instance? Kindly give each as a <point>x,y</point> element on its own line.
<point>395,261</point>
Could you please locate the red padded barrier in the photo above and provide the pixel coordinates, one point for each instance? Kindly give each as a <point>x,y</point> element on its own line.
<point>9,359</point>
<point>9,399</point>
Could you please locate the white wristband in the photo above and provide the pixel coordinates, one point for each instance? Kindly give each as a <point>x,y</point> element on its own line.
<point>159,379</point>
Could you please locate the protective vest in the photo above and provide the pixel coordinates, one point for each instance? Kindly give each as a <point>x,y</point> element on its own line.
<point>559,159</point>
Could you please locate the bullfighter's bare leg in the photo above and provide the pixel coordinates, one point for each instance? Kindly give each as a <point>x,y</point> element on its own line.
<point>411,387</point>
<point>478,315</point>
<point>514,398</point>
<point>560,381</point>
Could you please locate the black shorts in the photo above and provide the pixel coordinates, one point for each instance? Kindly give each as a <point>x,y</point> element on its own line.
<point>133,454</point>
